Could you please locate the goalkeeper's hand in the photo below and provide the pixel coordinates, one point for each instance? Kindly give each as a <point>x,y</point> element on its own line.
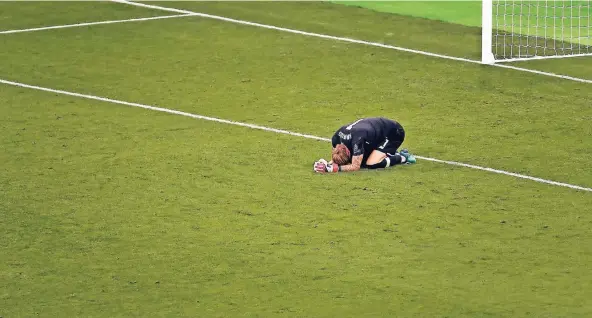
<point>322,166</point>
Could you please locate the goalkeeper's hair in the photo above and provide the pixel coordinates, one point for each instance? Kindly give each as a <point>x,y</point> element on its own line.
<point>340,155</point>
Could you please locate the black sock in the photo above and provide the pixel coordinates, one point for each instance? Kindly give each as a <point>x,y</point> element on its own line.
<point>387,162</point>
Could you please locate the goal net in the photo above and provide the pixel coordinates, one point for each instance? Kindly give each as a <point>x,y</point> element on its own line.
<point>521,30</point>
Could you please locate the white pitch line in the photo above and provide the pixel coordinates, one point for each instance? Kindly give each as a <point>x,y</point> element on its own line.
<point>507,173</point>
<point>95,23</point>
<point>279,131</point>
<point>343,39</point>
<point>324,36</point>
<point>160,109</point>
<point>571,78</point>
<point>543,57</point>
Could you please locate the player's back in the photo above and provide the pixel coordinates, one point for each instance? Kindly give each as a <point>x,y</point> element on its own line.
<point>372,129</point>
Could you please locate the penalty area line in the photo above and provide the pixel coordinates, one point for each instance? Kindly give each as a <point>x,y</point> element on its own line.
<point>279,131</point>
<point>96,23</point>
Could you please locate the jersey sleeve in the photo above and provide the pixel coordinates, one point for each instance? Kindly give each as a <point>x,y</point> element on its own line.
<point>358,146</point>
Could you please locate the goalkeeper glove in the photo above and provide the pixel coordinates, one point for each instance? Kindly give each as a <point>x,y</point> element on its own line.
<point>322,166</point>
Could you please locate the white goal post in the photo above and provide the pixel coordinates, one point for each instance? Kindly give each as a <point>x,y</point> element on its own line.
<point>514,30</point>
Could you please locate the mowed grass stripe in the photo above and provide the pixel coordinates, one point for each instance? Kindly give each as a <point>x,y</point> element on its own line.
<point>110,210</point>
<point>25,15</point>
<point>92,23</point>
<point>471,114</point>
<point>522,17</point>
<point>349,40</point>
<point>280,131</point>
<point>398,30</point>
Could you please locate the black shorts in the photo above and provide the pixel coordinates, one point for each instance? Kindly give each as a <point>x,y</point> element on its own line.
<point>395,137</point>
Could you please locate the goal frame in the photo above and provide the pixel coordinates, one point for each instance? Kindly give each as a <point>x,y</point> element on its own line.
<point>487,55</point>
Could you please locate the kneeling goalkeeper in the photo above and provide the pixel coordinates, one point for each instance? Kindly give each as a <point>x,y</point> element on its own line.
<point>370,143</point>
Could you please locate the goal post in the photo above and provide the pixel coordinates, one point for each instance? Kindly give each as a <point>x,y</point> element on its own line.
<point>487,33</point>
<point>514,30</point>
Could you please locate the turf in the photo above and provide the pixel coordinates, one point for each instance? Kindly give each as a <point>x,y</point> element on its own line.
<point>459,12</point>
<point>110,210</point>
<point>519,18</point>
<point>408,32</point>
<point>24,15</point>
<point>445,113</point>
<point>113,211</point>
<point>520,22</point>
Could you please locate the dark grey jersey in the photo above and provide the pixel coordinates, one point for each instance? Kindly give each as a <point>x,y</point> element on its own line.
<point>367,134</point>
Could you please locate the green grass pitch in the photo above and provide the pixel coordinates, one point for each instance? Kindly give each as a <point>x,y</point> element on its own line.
<point>115,211</point>
<point>512,13</point>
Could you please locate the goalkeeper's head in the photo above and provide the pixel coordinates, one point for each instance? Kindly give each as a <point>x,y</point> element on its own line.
<point>340,155</point>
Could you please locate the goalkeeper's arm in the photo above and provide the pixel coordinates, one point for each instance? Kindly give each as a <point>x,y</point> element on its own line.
<point>354,165</point>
